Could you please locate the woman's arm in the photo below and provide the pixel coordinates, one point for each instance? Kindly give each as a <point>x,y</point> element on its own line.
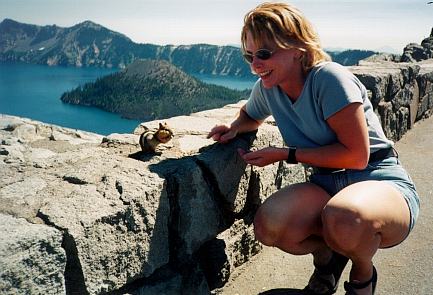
<point>351,151</point>
<point>243,123</point>
<point>353,148</point>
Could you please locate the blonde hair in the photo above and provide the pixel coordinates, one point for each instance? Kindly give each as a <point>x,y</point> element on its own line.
<point>286,27</point>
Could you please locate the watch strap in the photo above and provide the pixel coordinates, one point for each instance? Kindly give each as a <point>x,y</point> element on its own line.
<point>291,158</point>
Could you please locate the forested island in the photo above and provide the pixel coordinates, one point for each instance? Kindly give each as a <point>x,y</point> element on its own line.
<point>152,89</point>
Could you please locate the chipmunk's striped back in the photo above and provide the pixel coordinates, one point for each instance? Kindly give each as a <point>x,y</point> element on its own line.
<point>149,140</point>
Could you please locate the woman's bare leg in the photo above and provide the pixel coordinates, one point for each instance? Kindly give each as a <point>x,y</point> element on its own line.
<point>362,218</point>
<point>290,219</point>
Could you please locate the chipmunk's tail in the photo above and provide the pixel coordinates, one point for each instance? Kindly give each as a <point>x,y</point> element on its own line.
<point>141,140</point>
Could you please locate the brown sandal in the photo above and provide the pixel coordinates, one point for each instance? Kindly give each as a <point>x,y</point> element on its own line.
<point>324,280</point>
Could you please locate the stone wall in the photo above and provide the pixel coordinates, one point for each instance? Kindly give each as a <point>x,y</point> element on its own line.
<point>401,93</point>
<point>85,214</point>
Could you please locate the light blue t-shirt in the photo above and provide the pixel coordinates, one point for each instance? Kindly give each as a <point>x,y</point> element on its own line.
<point>328,88</point>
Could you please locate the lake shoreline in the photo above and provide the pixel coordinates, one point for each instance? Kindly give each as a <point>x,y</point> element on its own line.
<point>34,91</point>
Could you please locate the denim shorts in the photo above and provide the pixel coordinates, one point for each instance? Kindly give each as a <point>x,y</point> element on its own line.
<point>389,170</point>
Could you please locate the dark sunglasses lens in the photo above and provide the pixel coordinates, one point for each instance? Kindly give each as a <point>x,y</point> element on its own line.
<point>248,57</point>
<point>263,54</point>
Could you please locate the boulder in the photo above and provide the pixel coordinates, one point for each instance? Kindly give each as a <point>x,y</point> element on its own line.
<point>116,218</point>
<point>414,52</point>
<point>32,260</point>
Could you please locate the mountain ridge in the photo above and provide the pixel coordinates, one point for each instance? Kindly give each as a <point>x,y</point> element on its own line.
<point>90,44</point>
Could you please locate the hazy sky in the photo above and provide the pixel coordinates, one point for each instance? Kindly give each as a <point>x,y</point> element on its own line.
<point>366,24</point>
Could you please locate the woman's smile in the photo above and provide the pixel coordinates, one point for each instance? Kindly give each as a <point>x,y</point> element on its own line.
<point>264,74</point>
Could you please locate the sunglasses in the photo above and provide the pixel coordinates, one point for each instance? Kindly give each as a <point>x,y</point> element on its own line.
<point>262,54</point>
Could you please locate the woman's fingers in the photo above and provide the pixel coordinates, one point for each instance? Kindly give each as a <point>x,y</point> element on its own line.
<point>227,136</point>
<point>217,131</point>
<point>222,133</point>
<point>253,158</point>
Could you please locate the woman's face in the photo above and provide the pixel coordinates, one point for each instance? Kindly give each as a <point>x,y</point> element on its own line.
<point>279,69</point>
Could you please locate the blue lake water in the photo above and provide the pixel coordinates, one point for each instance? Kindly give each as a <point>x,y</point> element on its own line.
<point>34,91</point>
<point>230,82</point>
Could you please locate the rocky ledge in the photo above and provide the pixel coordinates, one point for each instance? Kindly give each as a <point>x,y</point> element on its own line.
<point>85,214</point>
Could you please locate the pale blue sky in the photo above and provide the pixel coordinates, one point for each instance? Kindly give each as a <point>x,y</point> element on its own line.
<point>366,24</point>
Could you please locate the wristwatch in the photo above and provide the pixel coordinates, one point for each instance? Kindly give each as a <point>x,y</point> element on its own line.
<point>291,158</point>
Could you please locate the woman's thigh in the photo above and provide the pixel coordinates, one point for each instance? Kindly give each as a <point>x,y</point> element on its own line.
<point>293,211</point>
<point>383,188</point>
<point>376,207</point>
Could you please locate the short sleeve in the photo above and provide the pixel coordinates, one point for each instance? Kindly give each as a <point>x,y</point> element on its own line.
<point>335,88</point>
<point>257,106</point>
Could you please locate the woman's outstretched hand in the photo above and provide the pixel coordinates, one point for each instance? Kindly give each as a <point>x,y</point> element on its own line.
<point>264,156</point>
<point>222,133</point>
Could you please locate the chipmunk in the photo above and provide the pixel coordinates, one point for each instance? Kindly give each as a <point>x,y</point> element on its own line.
<point>149,140</point>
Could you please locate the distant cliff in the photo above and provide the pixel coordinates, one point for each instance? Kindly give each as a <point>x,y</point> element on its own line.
<point>151,89</point>
<point>89,44</point>
<point>350,57</point>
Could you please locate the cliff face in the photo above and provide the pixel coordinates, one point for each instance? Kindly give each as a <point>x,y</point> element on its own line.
<point>86,214</point>
<point>85,44</point>
<point>89,44</point>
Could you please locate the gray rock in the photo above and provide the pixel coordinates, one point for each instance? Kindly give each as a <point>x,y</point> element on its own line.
<point>32,260</point>
<point>112,210</point>
<point>21,197</point>
<point>13,153</point>
<point>397,93</point>
<point>227,173</point>
<point>120,139</point>
<point>197,216</point>
<point>9,123</point>
<point>240,242</point>
<point>414,52</point>
<point>425,82</point>
<point>26,132</point>
<point>116,219</point>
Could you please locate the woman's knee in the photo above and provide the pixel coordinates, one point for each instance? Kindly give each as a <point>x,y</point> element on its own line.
<point>290,215</point>
<point>264,229</point>
<point>269,219</point>
<point>344,227</point>
<point>287,238</point>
